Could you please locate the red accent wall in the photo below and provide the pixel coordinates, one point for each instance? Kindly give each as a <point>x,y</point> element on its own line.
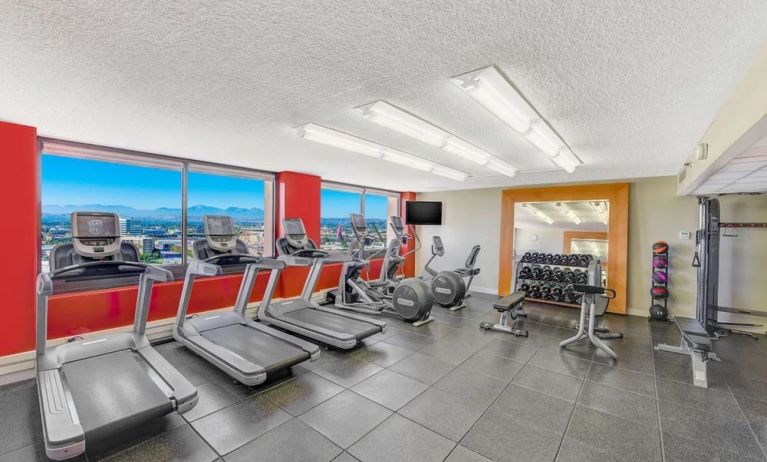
<point>410,260</point>
<point>298,195</point>
<point>19,187</point>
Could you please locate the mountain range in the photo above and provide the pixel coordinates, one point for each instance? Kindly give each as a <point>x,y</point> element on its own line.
<point>124,211</point>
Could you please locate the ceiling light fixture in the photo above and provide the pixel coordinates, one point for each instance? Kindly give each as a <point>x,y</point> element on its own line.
<point>569,213</point>
<point>340,140</point>
<point>401,121</point>
<point>535,211</point>
<point>600,208</point>
<point>490,88</point>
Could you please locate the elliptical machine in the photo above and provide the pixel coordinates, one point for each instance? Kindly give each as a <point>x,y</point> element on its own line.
<point>393,260</point>
<point>410,299</point>
<point>448,288</point>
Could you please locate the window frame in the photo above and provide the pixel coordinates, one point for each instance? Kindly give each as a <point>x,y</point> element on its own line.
<point>62,148</point>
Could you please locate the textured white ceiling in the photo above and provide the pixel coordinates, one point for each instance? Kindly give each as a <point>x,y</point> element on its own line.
<point>630,86</point>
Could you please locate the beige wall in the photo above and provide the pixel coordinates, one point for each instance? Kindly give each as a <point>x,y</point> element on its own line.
<point>469,217</point>
<point>656,213</point>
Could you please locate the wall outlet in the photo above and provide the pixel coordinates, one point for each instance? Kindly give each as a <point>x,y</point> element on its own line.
<point>684,235</point>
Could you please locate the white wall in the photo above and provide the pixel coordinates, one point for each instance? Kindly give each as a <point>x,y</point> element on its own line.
<point>469,217</point>
<point>549,241</point>
<point>655,213</point>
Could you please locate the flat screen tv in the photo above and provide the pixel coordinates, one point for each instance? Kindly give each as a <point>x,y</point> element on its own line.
<point>423,213</point>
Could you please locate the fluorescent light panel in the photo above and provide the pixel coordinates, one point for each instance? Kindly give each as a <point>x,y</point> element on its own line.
<point>542,216</point>
<point>334,138</point>
<point>491,89</point>
<point>396,119</point>
<point>569,213</point>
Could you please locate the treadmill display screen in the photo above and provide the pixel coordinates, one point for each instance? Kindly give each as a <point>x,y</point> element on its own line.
<point>358,222</point>
<point>97,226</point>
<point>294,227</point>
<point>219,226</point>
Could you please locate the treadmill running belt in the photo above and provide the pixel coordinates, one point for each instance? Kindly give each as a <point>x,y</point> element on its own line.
<point>268,352</point>
<point>113,393</point>
<point>332,322</point>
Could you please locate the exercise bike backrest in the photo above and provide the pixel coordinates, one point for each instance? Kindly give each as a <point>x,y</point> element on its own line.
<point>471,260</point>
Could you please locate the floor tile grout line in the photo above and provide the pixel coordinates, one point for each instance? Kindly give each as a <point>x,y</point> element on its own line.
<point>494,401</point>
<point>657,402</point>
<point>575,406</point>
<point>748,422</point>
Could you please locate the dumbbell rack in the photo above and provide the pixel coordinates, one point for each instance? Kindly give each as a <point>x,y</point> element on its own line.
<point>665,270</point>
<point>520,280</point>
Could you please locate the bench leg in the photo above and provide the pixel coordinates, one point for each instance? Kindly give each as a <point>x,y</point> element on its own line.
<point>699,360</point>
<point>506,324</point>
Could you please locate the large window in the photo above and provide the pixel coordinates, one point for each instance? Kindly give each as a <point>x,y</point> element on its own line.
<point>336,207</point>
<point>244,198</point>
<point>149,194</point>
<point>339,201</point>
<point>147,199</point>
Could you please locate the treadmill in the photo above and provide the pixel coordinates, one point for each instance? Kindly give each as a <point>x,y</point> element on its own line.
<point>98,387</point>
<point>246,350</point>
<point>302,316</point>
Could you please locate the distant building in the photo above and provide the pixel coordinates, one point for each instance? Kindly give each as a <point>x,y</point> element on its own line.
<point>123,227</point>
<point>147,245</point>
<point>134,227</point>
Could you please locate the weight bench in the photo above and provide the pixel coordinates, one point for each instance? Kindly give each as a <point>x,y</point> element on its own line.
<point>511,307</point>
<point>695,342</point>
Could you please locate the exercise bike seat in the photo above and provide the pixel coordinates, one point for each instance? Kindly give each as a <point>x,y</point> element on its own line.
<point>510,302</point>
<point>467,271</point>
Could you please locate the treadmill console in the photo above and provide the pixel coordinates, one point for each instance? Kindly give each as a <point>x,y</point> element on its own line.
<point>96,234</point>
<point>295,232</point>
<point>220,233</point>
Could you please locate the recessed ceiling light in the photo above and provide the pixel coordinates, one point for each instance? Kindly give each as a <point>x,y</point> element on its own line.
<point>334,138</point>
<point>569,213</point>
<point>401,121</point>
<point>491,89</point>
<point>600,207</point>
<point>541,216</point>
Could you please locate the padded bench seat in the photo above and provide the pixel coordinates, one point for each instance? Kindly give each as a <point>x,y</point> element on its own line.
<point>694,333</point>
<point>510,301</point>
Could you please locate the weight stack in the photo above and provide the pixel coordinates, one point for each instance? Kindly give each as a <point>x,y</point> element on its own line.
<point>659,282</point>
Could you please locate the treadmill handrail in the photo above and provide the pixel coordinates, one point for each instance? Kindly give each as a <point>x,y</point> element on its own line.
<point>258,262</point>
<point>292,260</point>
<point>154,273</point>
<point>215,259</point>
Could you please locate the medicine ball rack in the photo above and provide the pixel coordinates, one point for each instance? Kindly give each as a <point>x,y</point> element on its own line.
<point>659,279</point>
<point>523,277</point>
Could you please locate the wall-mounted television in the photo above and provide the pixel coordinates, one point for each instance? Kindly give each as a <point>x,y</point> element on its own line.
<point>423,213</point>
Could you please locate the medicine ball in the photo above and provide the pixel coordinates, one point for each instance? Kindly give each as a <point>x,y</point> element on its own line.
<point>660,262</point>
<point>660,247</point>
<point>412,300</point>
<point>659,277</point>
<point>659,293</point>
<point>448,288</point>
<point>658,312</point>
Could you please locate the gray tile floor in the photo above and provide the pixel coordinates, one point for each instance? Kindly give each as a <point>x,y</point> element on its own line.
<point>448,391</point>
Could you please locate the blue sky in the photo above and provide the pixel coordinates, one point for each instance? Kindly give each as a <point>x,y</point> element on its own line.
<point>340,204</point>
<point>80,181</point>
<point>74,181</point>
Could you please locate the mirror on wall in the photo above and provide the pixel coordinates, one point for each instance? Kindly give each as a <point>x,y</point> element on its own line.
<point>553,243</point>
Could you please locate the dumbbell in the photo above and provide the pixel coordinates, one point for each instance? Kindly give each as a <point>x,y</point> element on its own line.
<point>524,273</point>
<point>525,288</point>
<point>526,257</point>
